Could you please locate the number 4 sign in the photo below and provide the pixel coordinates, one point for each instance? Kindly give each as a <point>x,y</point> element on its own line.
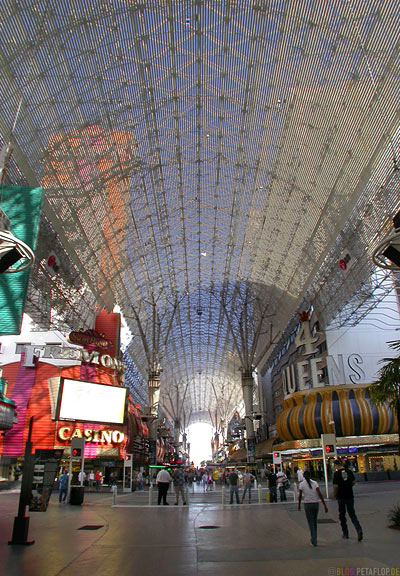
<point>304,338</point>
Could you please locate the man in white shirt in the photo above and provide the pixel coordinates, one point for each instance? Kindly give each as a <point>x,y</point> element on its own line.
<point>300,475</point>
<point>91,480</point>
<point>163,480</point>
<point>247,479</point>
<point>280,482</point>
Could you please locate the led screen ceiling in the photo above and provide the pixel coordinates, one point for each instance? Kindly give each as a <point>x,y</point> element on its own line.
<point>204,165</point>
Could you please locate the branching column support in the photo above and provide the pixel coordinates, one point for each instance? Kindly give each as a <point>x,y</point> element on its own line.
<point>177,432</point>
<point>246,336</point>
<point>153,356</point>
<point>153,384</point>
<point>220,413</point>
<point>247,389</point>
<point>177,423</point>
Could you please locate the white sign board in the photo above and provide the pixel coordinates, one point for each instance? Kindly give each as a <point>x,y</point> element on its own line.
<point>90,402</point>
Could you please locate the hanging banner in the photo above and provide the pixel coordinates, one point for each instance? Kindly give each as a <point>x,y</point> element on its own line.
<point>46,464</point>
<point>23,207</point>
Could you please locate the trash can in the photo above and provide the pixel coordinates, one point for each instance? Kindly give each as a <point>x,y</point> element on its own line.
<point>77,494</point>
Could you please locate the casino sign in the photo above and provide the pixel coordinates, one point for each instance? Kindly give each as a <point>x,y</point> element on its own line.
<point>67,433</point>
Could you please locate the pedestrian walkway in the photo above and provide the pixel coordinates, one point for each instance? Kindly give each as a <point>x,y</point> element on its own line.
<point>195,495</point>
<point>200,539</point>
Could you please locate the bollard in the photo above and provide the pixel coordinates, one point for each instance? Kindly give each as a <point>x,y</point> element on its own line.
<point>114,493</point>
<point>150,494</point>
<point>259,494</point>
<point>255,483</point>
<point>223,494</point>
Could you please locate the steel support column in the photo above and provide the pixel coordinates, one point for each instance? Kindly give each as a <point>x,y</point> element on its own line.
<point>247,389</point>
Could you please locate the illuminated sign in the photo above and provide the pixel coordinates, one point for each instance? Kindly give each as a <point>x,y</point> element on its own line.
<point>307,373</point>
<point>69,353</point>
<point>66,433</point>
<point>91,402</point>
<point>90,339</point>
<point>329,445</point>
<point>277,458</point>
<point>105,360</point>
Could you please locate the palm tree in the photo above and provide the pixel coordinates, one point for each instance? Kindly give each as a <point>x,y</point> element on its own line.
<point>387,387</point>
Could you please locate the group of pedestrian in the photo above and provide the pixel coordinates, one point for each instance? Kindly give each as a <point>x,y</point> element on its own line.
<point>277,480</point>
<point>233,479</point>
<point>343,482</point>
<point>94,479</point>
<point>179,479</point>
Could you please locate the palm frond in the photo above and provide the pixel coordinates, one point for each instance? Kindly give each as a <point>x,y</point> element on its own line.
<point>394,345</point>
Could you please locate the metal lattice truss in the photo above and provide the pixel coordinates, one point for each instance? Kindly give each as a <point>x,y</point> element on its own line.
<point>209,156</point>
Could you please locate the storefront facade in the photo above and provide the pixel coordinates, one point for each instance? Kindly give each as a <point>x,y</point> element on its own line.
<point>320,385</point>
<point>33,384</point>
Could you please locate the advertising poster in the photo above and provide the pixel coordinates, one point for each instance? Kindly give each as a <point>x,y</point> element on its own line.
<point>45,467</point>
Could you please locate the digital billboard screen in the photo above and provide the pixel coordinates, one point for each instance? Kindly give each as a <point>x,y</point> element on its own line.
<point>91,402</point>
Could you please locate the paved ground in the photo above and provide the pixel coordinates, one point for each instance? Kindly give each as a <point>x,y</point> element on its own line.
<point>202,538</point>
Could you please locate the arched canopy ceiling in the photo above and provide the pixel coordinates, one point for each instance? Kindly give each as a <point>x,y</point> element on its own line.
<point>203,162</point>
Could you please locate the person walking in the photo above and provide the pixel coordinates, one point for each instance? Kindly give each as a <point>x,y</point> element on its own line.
<point>112,481</point>
<point>271,482</point>
<point>97,478</point>
<point>343,482</point>
<point>163,480</point>
<point>311,494</point>
<point>205,481</point>
<point>91,480</point>
<point>299,475</point>
<point>248,478</point>
<point>234,484</point>
<point>179,479</point>
<point>281,479</point>
<point>62,487</point>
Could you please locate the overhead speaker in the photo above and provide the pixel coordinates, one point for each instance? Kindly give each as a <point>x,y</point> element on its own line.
<point>392,254</point>
<point>10,258</point>
<point>387,253</point>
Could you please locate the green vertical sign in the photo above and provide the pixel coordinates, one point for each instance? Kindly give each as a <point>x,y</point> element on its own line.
<point>23,207</point>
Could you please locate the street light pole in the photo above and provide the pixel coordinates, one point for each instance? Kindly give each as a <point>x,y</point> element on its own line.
<point>21,522</point>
